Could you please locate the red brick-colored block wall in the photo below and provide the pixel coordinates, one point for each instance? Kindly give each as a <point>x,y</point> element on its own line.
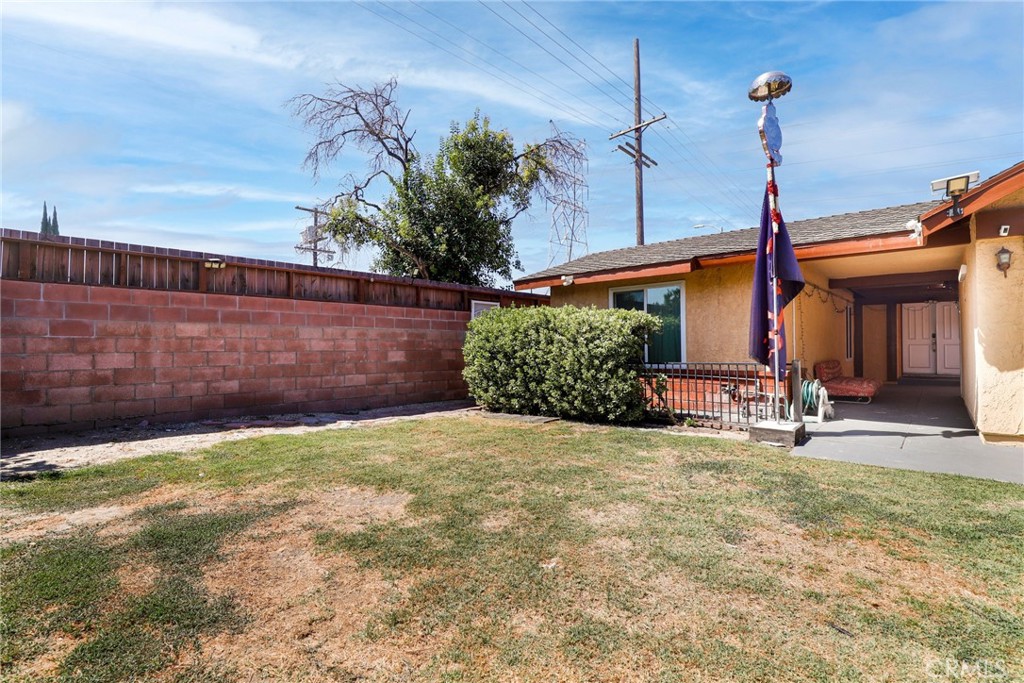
<point>80,356</point>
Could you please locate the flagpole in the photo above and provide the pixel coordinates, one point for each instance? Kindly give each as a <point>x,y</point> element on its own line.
<point>773,207</point>
<point>766,88</point>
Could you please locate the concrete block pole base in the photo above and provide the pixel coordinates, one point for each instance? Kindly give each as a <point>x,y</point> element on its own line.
<point>785,434</point>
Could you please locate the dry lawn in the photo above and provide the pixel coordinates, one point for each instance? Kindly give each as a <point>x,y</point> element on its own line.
<point>469,549</point>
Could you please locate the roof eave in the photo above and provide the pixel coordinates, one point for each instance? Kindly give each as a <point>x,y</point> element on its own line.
<point>854,246</point>
<point>992,190</point>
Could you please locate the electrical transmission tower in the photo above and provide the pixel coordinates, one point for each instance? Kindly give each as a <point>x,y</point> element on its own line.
<point>569,216</point>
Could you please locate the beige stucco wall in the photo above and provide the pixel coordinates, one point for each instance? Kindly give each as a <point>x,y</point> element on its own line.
<point>717,304</point>
<point>718,314</point>
<point>817,331</point>
<point>968,323</point>
<point>994,364</point>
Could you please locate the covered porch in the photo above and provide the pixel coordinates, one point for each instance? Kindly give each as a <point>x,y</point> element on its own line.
<point>886,315</point>
<point>921,426</point>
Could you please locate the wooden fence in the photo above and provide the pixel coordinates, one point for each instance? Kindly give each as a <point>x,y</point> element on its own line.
<point>28,256</point>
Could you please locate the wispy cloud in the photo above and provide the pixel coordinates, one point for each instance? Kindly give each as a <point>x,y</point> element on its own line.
<point>172,28</point>
<point>218,190</point>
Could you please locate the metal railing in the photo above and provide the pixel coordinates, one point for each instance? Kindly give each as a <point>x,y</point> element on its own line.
<point>720,395</point>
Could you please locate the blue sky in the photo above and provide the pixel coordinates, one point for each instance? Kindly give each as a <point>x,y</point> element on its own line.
<point>166,123</point>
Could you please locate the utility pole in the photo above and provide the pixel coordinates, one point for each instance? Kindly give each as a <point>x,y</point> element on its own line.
<point>312,237</point>
<point>636,150</point>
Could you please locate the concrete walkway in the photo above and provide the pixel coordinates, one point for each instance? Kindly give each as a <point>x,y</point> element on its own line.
<point>924,427</point>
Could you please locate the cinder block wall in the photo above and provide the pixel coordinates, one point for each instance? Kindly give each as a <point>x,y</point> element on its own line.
<point>80,356</point>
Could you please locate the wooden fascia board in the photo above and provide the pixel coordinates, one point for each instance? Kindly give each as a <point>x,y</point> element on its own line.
<point>850,247</point>
<point>534,284</point>
<point>632,273</point>
<point>992,191</point>
<point>857,247</point>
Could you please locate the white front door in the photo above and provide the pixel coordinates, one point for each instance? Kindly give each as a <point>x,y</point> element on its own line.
<point>947,341</point>
<point>931,339</point>
<point>918,339</point>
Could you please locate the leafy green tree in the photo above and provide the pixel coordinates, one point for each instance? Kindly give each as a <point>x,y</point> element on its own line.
<point>54,227</point>
<point>44,225</point>
<point>447,217</point>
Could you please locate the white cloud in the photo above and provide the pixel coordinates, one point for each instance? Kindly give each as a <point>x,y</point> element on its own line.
<point>221,190</point>
<point>15,116</point>
<point>166,27</point>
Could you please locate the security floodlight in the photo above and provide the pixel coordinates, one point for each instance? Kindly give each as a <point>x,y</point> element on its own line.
<point>955,187</point>
<point>955,183</point>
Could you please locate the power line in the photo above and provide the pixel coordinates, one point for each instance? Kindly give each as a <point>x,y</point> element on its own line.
<point>558,107</point>
<point>709,165</point>
<point>727,188</point>
<point>549,52</point>
<point>584,50</point>
<point>564,49</point>
<point>501,54</point>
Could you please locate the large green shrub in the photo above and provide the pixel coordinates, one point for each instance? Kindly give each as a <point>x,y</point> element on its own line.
<point>566,362</point>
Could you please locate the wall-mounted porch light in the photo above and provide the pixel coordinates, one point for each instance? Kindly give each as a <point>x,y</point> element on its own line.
<point>955,187</point>
<point>567,280</point>
<point>1003,260</point>
<point>215,263</point>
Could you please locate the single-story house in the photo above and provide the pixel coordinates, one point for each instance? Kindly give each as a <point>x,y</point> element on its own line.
<point>902,291</point>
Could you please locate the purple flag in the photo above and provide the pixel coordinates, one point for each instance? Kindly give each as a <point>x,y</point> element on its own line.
<point>768,335</point>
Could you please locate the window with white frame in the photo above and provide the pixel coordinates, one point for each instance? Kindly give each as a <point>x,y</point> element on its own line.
<point>665,301</point>
<point>478,308</point>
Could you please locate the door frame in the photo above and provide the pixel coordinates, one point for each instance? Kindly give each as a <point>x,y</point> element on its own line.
<point>934,325</point>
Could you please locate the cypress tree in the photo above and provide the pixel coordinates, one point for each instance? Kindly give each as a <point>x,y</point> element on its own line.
<point>54,229</point>
<point>44,226</point>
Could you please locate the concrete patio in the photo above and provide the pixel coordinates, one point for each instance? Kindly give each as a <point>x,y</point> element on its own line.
<point>922,427</point>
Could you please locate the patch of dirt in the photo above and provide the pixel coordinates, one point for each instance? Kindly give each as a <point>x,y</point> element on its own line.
<point>615,545</point>
<point>56,647</point>
<point>612,516</point>
<point>347,509</point>
<point>498,521</point>
<point>137,579</point>
<point>881,572</point>
<point>1004,505</point>
<point>25,527</point>
<point>117,520</point>
<point>308,609</point>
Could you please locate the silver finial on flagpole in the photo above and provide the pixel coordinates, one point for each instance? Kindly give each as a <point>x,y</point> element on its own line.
<point>769,86</point>
<point>765,88</point>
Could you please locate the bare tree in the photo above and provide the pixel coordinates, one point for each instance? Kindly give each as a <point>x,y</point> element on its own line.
<point>369,120</point>
<point>415,225</point>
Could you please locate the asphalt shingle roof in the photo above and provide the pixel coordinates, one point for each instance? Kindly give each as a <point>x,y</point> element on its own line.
<point>889,220</point>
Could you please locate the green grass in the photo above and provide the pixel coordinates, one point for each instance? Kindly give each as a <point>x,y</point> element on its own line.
<point>555,550</point>
<point>67,584</point>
